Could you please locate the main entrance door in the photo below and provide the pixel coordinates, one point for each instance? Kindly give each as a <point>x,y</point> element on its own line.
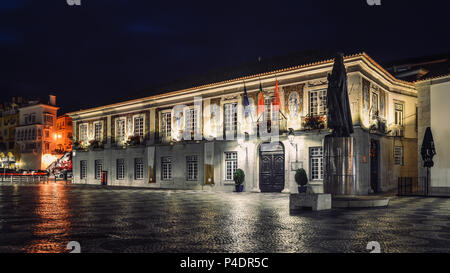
<point>271,167</point>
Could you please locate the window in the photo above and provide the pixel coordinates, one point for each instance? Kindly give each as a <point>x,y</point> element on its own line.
<point>192,167</point>
<point>318,102</point>
<point>166,168</point>
<point>316,163</point>
<point>398,112</point>
<point>98,131</point>
<point>33,118</point>
<point>230,112</point>
<point>48,119</point>
<point>120,130</point>
<point>166,124</point>
<point>191,120</point>
<point>398,155</point>
<point>120,169</point>
<point>230,165</point>
<point>138,168</point>
<point>98,168</point>
<point>138,126</point>
<point>83,133</point>
<point>83,169</point>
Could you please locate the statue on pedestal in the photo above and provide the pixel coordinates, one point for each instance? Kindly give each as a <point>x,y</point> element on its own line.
<point>339,115</point>
<point>339,167</point>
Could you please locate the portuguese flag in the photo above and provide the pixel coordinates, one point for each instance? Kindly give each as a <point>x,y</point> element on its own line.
<point>260,100</point>
<point>276,99</point>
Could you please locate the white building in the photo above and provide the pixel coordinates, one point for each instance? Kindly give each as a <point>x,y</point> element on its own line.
<point>434,112</point>
<point>35,134</point>
<point>383,111</point>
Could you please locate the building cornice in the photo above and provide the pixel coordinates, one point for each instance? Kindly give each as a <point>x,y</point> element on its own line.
<point>233,85</point>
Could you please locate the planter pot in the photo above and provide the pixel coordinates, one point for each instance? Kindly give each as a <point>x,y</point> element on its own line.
<point>302,189</point>
<point>239,188</point>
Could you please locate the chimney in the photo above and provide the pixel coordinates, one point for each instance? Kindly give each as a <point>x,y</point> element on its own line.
<point>52,100</point>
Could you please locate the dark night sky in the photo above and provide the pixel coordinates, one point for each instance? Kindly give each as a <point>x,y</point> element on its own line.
<point>100,51</point>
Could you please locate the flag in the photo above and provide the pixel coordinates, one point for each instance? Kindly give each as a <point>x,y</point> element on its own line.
<point>246,102</point>
<point>276,99</point>
<point>260,101</point>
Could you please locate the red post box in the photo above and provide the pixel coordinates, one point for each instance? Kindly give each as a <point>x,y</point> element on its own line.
<point>104,177</point>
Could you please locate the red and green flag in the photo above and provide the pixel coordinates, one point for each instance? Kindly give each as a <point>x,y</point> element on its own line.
<point>260,100</point>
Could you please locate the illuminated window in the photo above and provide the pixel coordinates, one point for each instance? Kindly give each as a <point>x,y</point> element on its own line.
<point>166,168</point>
<point>120,130</point>
<point>191,120</point>
<point>230,112</point>
<point>98,131</point>
<point>166,125</point>
<point>120,169</point>
<point>138,123</point>
<point>316,163</point>
<point>318,102</point>
<point>398,155</point>
<point>83,169</point>
<point>98,164</point>
<point>230,165</point>
<point>138,168</point>
<point>83,133</point>
<point>192,167</point>
<point>398,113</point>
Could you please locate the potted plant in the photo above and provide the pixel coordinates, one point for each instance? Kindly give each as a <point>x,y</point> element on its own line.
<point>134,140</point>
<point>239,178</point>
<point>312,122</point>
<point>302,179</point>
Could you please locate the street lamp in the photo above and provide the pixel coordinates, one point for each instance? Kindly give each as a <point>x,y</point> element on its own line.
<point>241,141</point>
<point>291,136</point>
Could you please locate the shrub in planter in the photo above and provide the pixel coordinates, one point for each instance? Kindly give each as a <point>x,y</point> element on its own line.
<point>302,179</point>
<point>239,178</point>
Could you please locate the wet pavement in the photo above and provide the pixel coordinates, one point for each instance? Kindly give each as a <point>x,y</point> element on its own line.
<point>45,217</point>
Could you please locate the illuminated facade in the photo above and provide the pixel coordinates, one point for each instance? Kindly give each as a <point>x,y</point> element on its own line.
<point>35,134</point>
<point>434,99</point>
<point>63,135</point>
<point>138,142</point>
<point>9,120</point>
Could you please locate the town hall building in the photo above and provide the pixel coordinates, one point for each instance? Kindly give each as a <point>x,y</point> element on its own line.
<point>138,142</point>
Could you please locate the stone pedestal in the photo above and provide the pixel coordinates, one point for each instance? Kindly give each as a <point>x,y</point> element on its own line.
<point>316,202</point>
<point>339,166</point>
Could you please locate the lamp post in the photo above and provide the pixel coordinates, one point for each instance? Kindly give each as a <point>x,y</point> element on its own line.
<point>291,137</point>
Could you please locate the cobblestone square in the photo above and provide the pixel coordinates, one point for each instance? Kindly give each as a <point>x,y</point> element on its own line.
<point>45,217</point>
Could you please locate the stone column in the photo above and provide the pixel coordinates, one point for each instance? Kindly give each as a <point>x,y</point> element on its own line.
<point>339,166</point>
<point>255,153</point>
<point>152,126</point>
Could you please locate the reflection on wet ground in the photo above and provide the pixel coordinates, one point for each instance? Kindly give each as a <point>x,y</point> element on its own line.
<point>45,217</point>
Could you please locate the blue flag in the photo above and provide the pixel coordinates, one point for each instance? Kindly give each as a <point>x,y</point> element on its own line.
<point>246,102</point>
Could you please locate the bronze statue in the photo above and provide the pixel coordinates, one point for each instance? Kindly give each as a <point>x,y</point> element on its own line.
<point>339,115</point>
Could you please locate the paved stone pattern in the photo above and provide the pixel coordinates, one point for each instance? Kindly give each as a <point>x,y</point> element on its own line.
<point>45,217</point>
